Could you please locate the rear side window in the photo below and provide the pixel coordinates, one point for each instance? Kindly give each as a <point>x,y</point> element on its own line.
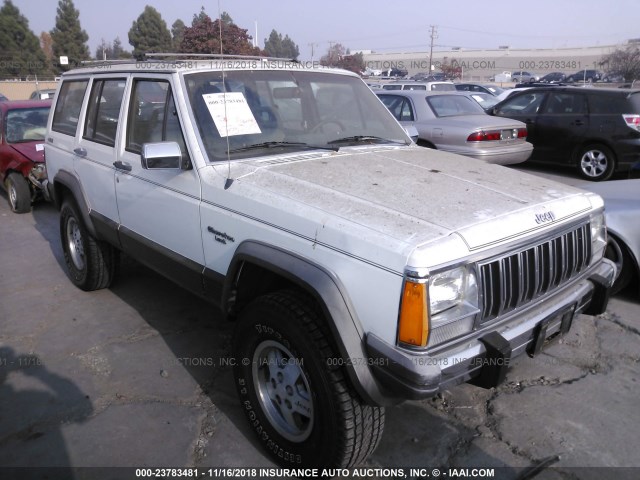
<point>103,111</point>
<point>67,112</point>
<point>400,107</point>
<point>634,99</point>
<point>612,104</point>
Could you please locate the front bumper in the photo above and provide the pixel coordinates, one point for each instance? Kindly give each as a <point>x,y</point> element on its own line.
<point>484,359</point>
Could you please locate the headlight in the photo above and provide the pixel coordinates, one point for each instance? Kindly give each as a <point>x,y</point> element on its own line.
<point>39,171</point>
<point>598,236</point>
<point>437,308</point>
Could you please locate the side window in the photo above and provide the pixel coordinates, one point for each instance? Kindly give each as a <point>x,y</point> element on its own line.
<point>607,104</point>
<point>67,112</point>
<point>526,103</point>
<point>566,103</point>
<point>399,107</point>
<point>153,117</point>
<point>103,111</point>
<point>406,112</point>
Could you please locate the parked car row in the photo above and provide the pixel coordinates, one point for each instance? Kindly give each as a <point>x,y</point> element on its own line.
<point>596,131</point>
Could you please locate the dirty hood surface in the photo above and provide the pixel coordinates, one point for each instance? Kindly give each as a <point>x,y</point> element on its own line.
<point>409,193</point>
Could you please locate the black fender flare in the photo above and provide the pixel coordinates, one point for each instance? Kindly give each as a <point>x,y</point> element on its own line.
<point>71,182</point>
<point>327,289</point>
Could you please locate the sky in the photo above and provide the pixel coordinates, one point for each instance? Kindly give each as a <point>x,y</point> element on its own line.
<point>373,24</point>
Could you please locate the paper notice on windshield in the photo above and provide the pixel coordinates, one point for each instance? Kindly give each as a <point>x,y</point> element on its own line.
<point>231,114</point>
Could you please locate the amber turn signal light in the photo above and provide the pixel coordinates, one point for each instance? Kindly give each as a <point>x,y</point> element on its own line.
<point>414,319</point>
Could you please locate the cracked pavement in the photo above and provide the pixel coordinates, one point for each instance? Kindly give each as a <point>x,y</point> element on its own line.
<point>136,375</point>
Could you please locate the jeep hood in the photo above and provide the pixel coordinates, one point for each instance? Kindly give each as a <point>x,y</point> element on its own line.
<point>410,194</point>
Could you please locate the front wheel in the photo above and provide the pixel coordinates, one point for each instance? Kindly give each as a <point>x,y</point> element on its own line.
<point>294,389</point>
<point>596,163</point>
<point>18,193</point>
<point>617,252</point>
<point>91,264</point>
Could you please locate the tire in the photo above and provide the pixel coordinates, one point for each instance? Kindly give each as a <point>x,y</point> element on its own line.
<point>18,193</point>
<point>596,162</point>
<point>617,252</point>
<point>296,397</point>
<point>91,264</point>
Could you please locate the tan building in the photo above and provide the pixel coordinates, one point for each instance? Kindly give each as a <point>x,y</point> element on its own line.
<point>481,65</point>
<point>22,90</point>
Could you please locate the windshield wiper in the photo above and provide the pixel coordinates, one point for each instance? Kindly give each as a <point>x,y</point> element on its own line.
<point>285,145</point>
<point>364,139</point>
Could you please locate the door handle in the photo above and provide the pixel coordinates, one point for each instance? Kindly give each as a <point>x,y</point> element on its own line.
<point>80,151</point>
<point>578,123</point>
<point>122,165</point>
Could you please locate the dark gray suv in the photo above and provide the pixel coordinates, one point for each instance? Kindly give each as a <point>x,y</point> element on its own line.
<point>596,130</point>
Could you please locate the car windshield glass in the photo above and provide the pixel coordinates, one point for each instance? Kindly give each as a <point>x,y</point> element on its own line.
<point>26,124</point>
<point>443,87</point>
<point>265,112</point>
<point>452,105</point>
<point>485,100</point>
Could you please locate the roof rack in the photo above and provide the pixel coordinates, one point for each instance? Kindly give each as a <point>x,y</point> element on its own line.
<point>180,57</point>
<point>216,56</point>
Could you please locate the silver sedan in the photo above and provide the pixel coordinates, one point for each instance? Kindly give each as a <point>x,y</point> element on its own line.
<point>453,122</point>
<point>622,212</point>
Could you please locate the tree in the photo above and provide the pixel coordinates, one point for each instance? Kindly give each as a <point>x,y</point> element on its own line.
<point>624,61</point>
<point>276,46</point>
<point>21,54</point>
<point>334,54</point>
<point>203,36</point>
<point>354,63</point>
<point>451,70</point>
<point>226,18</point>
<point>111,51</point>
<point>69,39</point>
<point>46,44</point>
<point>338,57</point>
<point>104,51</point>
<point>118,50</point>
<point>177,32</point>
<point>149,33</point>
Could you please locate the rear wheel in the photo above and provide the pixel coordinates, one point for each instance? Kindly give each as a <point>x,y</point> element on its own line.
<point>91,264</point>
<point>596,162</point>
<point>294,390</point>
<point>18,193</point>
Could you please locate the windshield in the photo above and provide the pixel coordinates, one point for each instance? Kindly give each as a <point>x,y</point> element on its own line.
<point>452,105</point>
<point>253,113</point>
<point>26,124</point>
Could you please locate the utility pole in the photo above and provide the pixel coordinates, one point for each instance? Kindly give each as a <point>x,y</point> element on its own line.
<point>434,35</point>
<point>312,45</point>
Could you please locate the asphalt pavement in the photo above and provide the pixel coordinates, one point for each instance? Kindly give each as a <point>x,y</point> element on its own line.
<point>137,375</point>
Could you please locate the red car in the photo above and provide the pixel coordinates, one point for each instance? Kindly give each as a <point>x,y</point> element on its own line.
<point>23,125</point>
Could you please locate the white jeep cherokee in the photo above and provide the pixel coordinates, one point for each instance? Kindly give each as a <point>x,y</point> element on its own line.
<point>361,269</point>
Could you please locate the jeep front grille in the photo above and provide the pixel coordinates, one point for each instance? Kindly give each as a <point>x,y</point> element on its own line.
<point>516,279</point>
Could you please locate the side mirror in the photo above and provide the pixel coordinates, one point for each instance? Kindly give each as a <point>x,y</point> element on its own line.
<point>164,155</point>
